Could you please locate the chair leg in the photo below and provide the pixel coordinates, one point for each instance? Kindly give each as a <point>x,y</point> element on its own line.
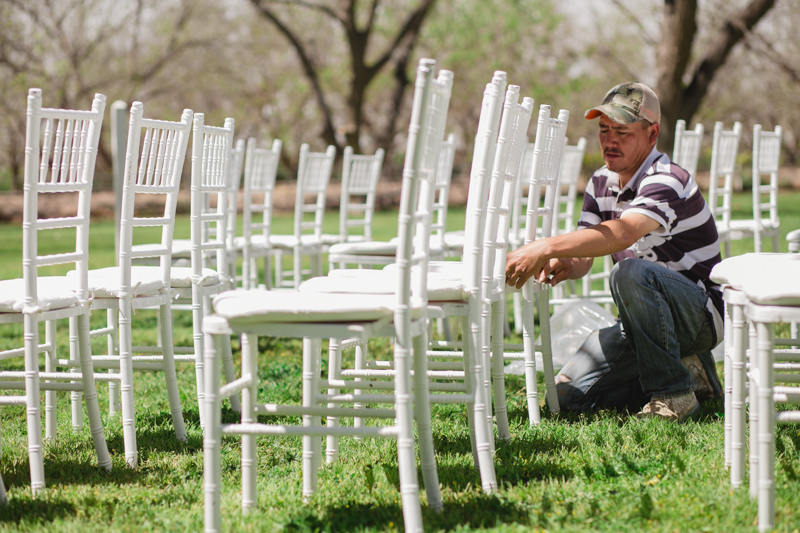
<point>422,414</point>
<point>754,413</point>
<point>738,386</point>
<point>171,377</point>
<point>543,302</point>
<point>483,433</point>
<point>75,396</point>
<point>498,322</point>
<point>529,352</point>
<point>126,385</point>
<point>516,299</point>
<point>312,445</point>
<point>50,362</point>
<point>230,373</point>
<point>406,458</point>
<point>112,339</point>
<point>486,368</point>
<point>248,416</point>
<point>90,393</point>
<point>727,374</point>
<point>361,352</point>
<point>334,372</point>
<point>766,428</point>
<point>33,403</point>
<point>197,337</point>
<point>212,440</point>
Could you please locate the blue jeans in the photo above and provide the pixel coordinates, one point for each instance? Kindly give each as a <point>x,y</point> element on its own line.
<point>662,317</point>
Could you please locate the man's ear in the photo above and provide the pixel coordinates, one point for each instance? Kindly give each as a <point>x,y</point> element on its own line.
<point>655,129</point>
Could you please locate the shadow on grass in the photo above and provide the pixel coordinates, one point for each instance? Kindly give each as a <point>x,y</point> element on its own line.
<point>35,512</point>
<point>155,432</point>
<point>710,412</point>
<point>354,516</point>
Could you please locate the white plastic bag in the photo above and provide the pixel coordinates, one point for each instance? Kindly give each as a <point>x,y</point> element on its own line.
<point>570,324</point>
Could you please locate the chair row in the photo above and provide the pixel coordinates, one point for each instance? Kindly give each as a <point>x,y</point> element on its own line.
<point>350,307</point>
<point>760,369</point>
<point>61,149</point>
<point>764,223</point>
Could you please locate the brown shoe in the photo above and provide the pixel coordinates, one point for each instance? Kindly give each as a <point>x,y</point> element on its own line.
<point>676,409</point>
<point>704,390</point>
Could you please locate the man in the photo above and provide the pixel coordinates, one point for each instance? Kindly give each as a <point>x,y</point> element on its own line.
<point>649,214</point>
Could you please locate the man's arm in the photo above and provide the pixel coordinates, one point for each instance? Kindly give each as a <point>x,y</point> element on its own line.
<point>611,236</point>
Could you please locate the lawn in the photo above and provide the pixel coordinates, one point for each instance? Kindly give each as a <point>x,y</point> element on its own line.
<point>599,472</point>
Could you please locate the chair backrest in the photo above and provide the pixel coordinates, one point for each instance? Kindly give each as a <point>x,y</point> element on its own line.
<point>425,133</point>
<point>517,232</point>
<point>211,177</point>
<point>686,151</point>
<point>360,175</point>
<point>724,149</point>
<point>260,173</point>
<point>60,156</point>
<point>547,154</point>
<point>444,176</point>
<point>511,143</point>
<point>766,164</point>
<point>567,190</point>
<point>480,177</point>
<point>235,169</point>
<point>153,166</point>
<point>313,175</point>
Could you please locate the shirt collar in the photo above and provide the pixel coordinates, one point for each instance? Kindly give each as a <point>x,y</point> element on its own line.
<point>633,183</point>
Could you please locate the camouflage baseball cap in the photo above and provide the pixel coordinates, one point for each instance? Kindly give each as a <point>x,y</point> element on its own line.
<point>628,103</point>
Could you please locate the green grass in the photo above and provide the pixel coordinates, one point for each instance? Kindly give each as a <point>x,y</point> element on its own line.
<point>599,472</point>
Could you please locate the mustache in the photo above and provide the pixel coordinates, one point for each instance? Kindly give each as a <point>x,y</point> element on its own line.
<point>609,151</point>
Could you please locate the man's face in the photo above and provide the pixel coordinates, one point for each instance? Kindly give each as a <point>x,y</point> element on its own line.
<point>626,146</point>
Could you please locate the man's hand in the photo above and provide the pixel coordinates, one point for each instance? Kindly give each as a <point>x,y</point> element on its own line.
<point>557,270</point>
<point>524,262</point>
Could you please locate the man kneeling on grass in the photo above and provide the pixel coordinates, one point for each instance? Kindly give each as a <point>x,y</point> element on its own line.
<point>650,216</point>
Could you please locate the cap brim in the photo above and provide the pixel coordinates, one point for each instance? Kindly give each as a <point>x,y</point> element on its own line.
<point>615,113</point>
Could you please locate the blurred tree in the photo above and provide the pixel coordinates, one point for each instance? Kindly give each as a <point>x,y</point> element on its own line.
<point>378,36</point>
<point>684,82</point>
<point>157,51</point>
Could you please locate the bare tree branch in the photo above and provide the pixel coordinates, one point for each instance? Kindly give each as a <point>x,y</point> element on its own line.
<point>329,132</point>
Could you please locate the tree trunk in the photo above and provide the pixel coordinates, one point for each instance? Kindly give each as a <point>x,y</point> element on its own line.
<point>681,100</point>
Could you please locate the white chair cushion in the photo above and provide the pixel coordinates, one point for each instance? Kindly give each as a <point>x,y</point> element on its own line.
<point>53,292</point>
<point>440,289</point>
<point>259,306</point>
<point>774,283</point>
<point>364,248</point>
<point>288,242</point>
<point>181,277</point>
<point>104,282</point>
<point>181,248</point>
<point>793,238</point>
<point>733,271</point>
<point>329,239</point>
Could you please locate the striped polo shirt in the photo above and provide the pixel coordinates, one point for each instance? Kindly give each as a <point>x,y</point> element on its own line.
<point>686,241</point>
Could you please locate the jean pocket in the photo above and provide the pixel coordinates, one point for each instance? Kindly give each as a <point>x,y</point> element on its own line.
<point>704,340</point>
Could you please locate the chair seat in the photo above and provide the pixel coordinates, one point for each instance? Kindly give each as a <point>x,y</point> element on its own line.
<point>793,238</point>
<point>104,282</point>
<point>181,248</point>
<point>258,306</point>
<point>289,242</point>
<point>440,289</point>
<point>776,282</point>
<point>734,271</point>
<point>181,277</point>
<point>454,240</point>
<point>364,248</point>
<point>54,292</point>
